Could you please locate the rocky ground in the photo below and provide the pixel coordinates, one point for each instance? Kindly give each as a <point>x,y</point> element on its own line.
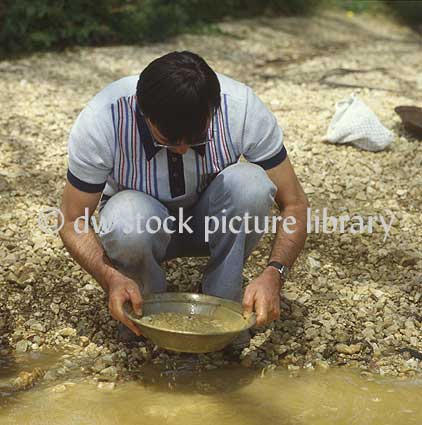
<point>351,300</point>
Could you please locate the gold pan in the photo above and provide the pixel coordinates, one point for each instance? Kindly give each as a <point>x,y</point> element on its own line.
<point>226,312</point>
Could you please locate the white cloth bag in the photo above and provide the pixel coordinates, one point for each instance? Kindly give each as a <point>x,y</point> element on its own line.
<point>355,123</point>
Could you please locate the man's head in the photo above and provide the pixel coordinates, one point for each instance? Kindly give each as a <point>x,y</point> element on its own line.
<point>178,93</point>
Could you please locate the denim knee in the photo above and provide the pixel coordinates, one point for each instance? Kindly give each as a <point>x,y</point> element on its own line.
<point>125,233</point>
<point>246,187</point>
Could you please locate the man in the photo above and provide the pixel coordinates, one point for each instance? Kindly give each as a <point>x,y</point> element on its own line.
<point>172,139</point>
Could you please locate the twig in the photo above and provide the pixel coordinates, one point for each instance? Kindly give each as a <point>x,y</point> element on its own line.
<point>345,71</point>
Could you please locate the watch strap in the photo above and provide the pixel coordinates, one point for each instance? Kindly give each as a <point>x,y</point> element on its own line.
<point>282,269</point>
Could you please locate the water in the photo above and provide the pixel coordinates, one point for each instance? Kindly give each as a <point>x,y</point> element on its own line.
<point>197,323</point>
<point>228,396</point>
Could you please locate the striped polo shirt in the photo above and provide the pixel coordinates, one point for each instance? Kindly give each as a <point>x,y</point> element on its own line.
<point>111,148</point>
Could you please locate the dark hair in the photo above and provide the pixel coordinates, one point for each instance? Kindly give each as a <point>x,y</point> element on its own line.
<point>179,92</point>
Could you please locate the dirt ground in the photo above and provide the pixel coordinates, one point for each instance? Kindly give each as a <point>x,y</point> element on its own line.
<point>352,299</point>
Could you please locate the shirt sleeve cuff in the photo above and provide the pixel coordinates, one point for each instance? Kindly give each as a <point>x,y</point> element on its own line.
<point>274,160</point>
<point>84,186</point>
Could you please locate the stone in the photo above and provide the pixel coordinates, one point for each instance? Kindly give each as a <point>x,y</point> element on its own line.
<point>314,264</point>
<point>376,293</point>
<point>26,380</point>
<point>108,386</point>
<point>67,332</point>
<point>55,308</point>
<point>59,388</point>
<point>37,326</point>
<point>69,364</point>
<point>110,371</point>
<point>348,349</point>
<point>409,324</point>
<point>321,364</point>
<point>368,333</point>
<point>84,341</point>
<point>99,365</point>
<point>92,350</point>
<point>22,346</point>
<point>50,376</point>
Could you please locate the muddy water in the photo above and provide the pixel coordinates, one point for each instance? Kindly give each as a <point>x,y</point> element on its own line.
<point>230,396</point>
<point>197,323</point>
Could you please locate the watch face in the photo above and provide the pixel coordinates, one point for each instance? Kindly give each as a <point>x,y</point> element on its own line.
<point>284,271</point>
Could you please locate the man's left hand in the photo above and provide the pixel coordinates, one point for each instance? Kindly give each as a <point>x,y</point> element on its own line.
<point>262,295</point>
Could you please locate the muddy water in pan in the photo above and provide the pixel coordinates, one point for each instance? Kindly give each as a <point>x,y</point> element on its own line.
<point>228,396</point>
<point>197,323</point>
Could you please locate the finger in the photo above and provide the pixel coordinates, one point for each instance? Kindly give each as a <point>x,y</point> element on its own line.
<point>132,326</point>
<point>126,321</point>
<point>111,308</point>
<point>273,316</point>
<point>136,300</point>
<point>277,312</point>
<point>248,301</point>
<point>116,310</point>
<point>261,308</point>
<point>273,311</point>
<point>276,308</point>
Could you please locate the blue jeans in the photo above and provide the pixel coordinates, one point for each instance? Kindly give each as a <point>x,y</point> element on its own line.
<point>238,189</point>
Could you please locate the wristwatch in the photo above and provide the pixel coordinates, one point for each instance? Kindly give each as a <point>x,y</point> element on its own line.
<point>282,269</point>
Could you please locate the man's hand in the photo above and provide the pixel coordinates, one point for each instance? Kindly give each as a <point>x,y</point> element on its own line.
<point>262,295</point>
<point>122,289</point>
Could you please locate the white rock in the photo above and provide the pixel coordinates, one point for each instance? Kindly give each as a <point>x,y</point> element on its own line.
<point>109,371</point>
<point>55,308</point>
<point>59,388</point>
<point>37,326</point>
<point>22,346</point>
<point>314,264</point>
<point>108,386</point>
<point>348,349</point>
<point>67,332</point>
<point>376,292</point>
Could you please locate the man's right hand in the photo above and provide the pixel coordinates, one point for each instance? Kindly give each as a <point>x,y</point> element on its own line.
<point>120,290</point>
<point>87,250</point>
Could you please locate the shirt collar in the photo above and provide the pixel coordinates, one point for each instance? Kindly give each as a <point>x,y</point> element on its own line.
<point>147,140</point>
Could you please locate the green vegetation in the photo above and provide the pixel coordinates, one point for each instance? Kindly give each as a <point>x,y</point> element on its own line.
<point>409,12</point>
<point>39,24</point>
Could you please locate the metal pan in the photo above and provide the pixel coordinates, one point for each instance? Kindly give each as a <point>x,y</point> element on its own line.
<point>191,304</point>
<point>411,117</point>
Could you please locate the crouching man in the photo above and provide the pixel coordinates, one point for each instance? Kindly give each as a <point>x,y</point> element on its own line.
<point>172,138</point>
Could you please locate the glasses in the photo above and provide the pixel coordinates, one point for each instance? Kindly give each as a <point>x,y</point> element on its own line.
<point>205,140</point>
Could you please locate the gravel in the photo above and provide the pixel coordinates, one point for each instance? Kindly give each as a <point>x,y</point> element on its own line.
<point>352,300</point>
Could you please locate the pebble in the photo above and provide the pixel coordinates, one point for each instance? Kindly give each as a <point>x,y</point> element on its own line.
<point>84,341</point>
<point>22,346</point>
<point>38,327</point>
<point>67,332</point>
<point>50,376</point>
<point>58,388</point>
<point>99,365</point>
<point>321,364</point>
<point>110,371</point>
<point>108,386</point>
<point>348,349</point>
<point>368,333</point>
<point>55,308</point>
<point>314,264</point>
<point>377,293</point>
